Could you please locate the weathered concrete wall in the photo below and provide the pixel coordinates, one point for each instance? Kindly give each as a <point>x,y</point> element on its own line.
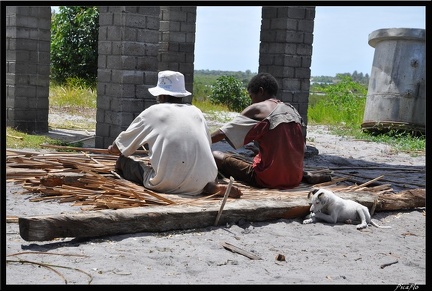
<point>135,43</point>
<point>27,67</point>
<point>127,67</point>
<point>177,43</point>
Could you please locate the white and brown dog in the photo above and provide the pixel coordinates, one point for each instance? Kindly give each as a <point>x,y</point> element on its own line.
<point>327,206</point>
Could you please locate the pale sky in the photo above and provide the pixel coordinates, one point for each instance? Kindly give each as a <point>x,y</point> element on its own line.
<point>227,38</point>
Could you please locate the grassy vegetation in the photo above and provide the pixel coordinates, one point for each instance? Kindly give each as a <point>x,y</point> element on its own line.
<point>208,107</point>
<point>19,140</point>
<point>398,140</point>
<point>340,106</point>
<point>73,99</point>
<point>74,95</point>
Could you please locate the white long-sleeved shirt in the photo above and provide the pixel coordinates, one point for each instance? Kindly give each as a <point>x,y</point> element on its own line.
<point>179,148</point>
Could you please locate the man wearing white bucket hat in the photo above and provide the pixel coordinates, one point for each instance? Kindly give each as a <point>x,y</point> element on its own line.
<point>179,142</point>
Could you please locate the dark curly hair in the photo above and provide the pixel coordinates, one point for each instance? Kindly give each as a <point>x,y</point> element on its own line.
<point>264,80</point>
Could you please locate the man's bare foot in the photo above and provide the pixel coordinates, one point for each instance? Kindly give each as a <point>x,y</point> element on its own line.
<point>213,188</point>
<point>234,192</point>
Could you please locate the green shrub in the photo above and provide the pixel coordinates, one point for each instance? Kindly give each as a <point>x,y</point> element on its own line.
<point>74,44</point>
<point>230,92</point>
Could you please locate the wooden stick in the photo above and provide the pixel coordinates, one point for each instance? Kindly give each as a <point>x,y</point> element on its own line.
<point>83,139</point>
<point>379,187</point>
<point>379,168</point>
<point>224,200</point>
<point>367,183</point>
<point>238,250</point>
<point>11,219</point>
<point>333,181</point>
<point>88,156</point>
<point>116,174</point>
<point>91,150</point>
<point>386,180</point>
<point>372,211</point>
<point>13,136</point>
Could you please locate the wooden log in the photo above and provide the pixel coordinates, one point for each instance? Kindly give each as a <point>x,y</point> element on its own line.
<point>151,219</point>
<point>180,217</point>
<point>407,199</point>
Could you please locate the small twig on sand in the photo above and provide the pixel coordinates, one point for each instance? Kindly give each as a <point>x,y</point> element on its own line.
<point>49,266</point>
<point>46,253</point>
<point>388,264</point>
<point>238,250</point>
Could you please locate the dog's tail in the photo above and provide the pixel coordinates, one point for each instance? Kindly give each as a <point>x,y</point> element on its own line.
<point>379,226</point>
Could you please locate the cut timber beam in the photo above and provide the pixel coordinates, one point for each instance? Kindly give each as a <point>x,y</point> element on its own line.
<point>180,217</point>
<point>153,219</point>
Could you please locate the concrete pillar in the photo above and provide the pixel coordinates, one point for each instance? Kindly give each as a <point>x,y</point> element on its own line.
<point>286,51</point>
<point>396,96</point>
<point>135,42</point>
<point>127,66</point>
<point>27,67</point>
<point>177,42</point>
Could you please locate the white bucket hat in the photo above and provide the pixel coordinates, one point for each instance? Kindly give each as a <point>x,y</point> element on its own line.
<point>170,83</point>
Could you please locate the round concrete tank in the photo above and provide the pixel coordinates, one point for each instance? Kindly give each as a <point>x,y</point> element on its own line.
<point>396,98</point>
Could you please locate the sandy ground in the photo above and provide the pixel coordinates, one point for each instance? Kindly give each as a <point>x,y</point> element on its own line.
<point>288,251</point>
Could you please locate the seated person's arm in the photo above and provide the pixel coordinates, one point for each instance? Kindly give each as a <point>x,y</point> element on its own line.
<point>114,150</point>
<point>218,135</point>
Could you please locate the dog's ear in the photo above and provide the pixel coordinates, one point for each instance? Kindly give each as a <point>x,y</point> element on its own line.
<point>312,192</point>
<point>320,194</point>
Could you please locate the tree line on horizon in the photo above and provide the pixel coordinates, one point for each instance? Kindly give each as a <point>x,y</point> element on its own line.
<point>74,31</point>
<point>248,74</point>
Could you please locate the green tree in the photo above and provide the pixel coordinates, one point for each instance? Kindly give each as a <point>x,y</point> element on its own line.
<point>74,43</point>
<point>230,92</point>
